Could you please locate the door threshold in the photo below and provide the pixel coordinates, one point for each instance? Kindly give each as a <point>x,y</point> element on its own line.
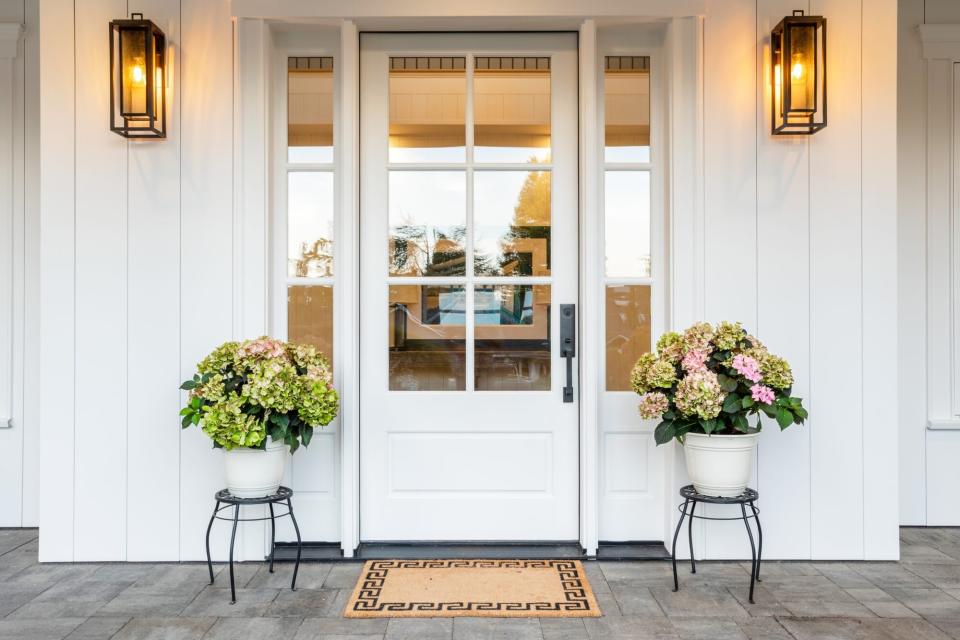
<point>633,550</point>
<point>607,551</point>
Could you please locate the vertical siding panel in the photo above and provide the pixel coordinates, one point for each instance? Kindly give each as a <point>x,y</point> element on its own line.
<point>153,526</point>
<point>879,194</point>
<point>783,322</point>
<point>730,131</point>
<point>911,260</point>
<point>101,281</point>
<point>206,265</point>
<point>836,426</point>
<point>57,293</point>
<point>11,278</point>
<point>31,307</point>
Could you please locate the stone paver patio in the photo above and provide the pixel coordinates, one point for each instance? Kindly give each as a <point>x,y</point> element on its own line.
<point>915,599</point>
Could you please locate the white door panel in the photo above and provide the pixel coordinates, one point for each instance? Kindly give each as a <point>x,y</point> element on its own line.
<point>468,249</point>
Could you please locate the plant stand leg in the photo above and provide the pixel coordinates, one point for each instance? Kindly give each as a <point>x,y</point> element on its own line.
<point>296,567</point>
<point>756,518</point>
<point>753,550</point>
<point>693,563</point>
<point>233,538</point>
<point>676,534</point>
<point>273,536</point>
<point>209,527</point>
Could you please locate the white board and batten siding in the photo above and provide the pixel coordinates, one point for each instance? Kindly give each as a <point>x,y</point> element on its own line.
<point>928,246</point>
<point>144,269</point>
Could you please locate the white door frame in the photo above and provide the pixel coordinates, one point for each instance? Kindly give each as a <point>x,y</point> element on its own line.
<point>684,139</point>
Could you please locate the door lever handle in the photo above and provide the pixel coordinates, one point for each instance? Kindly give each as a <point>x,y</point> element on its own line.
<point>568,344</point>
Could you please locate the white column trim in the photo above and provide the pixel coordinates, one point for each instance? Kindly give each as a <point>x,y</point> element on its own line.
<point>348,278</point>
<point>591,300</point>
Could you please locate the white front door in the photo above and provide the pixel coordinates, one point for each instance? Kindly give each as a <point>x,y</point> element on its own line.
<point>469,247</point>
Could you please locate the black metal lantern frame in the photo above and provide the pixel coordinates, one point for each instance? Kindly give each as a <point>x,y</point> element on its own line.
<point>138,102</point>
<point>798,69</point>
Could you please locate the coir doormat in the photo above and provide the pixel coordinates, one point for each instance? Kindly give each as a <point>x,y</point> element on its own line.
<point>489,588</point>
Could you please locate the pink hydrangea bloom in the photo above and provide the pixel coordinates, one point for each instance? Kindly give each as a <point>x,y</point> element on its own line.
<point>695,360</point>
<point>762,394</point>
<point>748,367</point>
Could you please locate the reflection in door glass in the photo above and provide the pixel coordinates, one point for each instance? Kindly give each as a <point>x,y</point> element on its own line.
<point>310,109</point>
<point>428,218</point>
<point>627,332</point>
<point>428,104</point>
<point>626,96</point>
<point>626,197</point>
<point>511,109</point>
<point>310,224</point>
<point>310,317</point>
<point>427,338</point>
<point>511,221</point>
<point>512,337</point>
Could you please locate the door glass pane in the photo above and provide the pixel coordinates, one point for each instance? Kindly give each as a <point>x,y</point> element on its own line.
<point>512,337</point>
<point>310,317</point>
<point>626,96</point>
<point>428,103</point>
<point>428,223</point>
<point>627,223</point>
<point>628,332</point>
<point>310,224</point>
<point>427,338</point>
<point>511,221</point>
<point>511,97</point>
<point>310,109</point>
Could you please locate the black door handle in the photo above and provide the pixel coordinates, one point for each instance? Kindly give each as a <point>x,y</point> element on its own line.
<point>568,344</point>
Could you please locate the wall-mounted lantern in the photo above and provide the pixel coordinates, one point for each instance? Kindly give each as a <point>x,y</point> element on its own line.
<point>798,64</point>
<point>138,106</point>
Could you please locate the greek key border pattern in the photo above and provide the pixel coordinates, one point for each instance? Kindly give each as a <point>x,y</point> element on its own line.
<point>573,583</point>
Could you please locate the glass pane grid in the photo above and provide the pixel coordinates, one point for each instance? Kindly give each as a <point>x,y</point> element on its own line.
<point>628,271</point>
<point>310,203</point>
<point>472,223</point>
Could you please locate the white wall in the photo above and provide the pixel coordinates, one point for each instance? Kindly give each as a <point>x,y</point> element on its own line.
<point>800,245</point>
<point>797,239</point>
<point>928,213</point>
<point>19,269</point>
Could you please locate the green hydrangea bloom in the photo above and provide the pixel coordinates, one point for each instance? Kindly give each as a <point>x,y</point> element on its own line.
<point>661,375</point>
<point>220,359</point>
<point>227,424</point>
<point>273,384</point>
<point>728,335</point>
<point>699,394</point>
<point>698,336</point>
<point>776,372</point>
<point>670,346</point>
<point>638,375</point>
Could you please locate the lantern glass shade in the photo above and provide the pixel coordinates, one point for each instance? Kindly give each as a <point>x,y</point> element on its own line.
<point>798,49</point>
<point>137,79</point>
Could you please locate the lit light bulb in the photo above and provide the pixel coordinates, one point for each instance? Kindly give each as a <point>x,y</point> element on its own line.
<point>136,74</point>
<point>797,71</point>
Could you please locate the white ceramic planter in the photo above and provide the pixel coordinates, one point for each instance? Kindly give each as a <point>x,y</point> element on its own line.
<point>254,473</point>
<point>719,465</point>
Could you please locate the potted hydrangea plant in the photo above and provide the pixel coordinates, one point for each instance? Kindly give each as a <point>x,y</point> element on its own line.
<point>256,398</point>
<point>705,385</point>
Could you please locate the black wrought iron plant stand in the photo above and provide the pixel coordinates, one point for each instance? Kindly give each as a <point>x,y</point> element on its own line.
<point>228,500</point>
<point>746,499</point>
